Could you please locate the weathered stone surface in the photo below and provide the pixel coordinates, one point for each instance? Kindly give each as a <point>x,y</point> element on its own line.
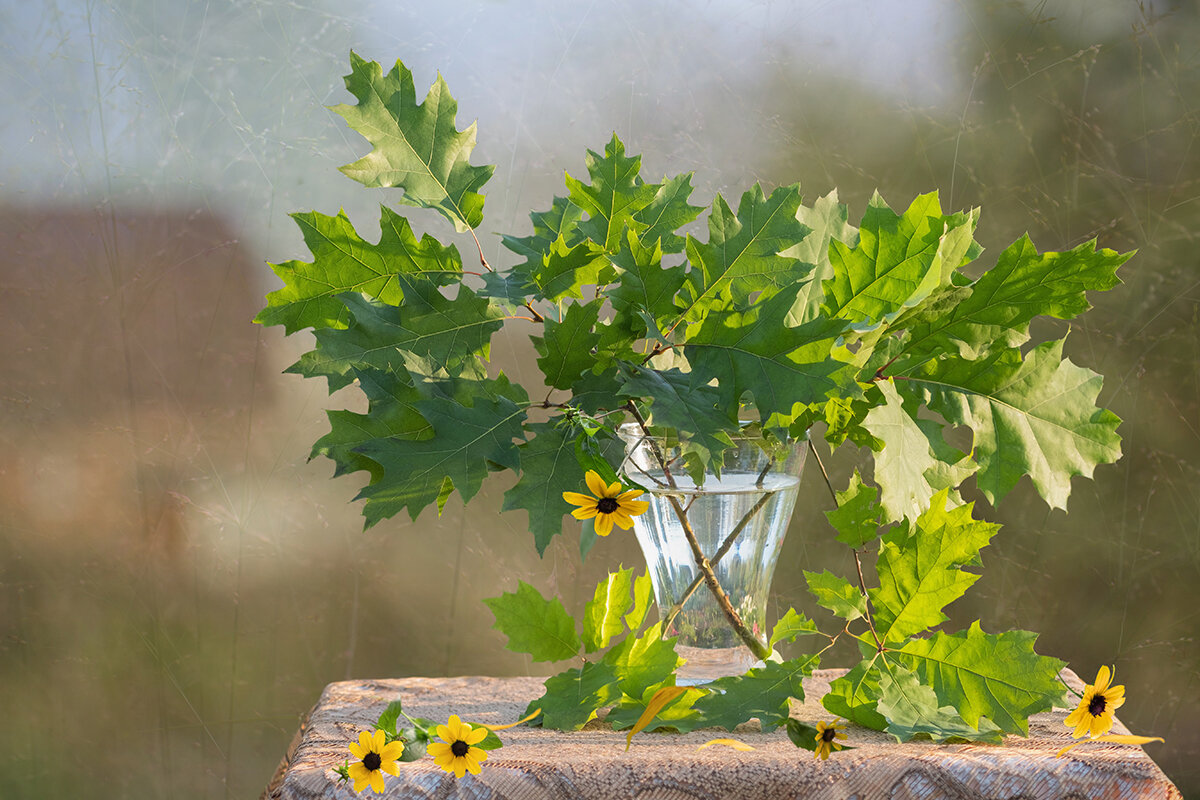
<point>593,764</point>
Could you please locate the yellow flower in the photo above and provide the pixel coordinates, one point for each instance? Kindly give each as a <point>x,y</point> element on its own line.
<point>1094,715</point>
<point>609,506</point>
<point>375,758</point>
<point>455,752</point>
<point>826,738</point>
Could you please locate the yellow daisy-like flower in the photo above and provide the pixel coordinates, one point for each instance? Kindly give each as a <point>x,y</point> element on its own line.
<point>610,506</point>
<point>456,753</point>
<point>1094,715</point>
<point>374,758</point>
<point>827,739</point>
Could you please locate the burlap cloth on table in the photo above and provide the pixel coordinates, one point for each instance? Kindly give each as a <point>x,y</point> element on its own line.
<point>592,764</point>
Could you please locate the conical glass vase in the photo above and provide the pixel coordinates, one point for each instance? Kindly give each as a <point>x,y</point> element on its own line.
<point>738,520</point>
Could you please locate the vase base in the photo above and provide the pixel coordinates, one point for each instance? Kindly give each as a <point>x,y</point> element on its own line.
<point>705,664</point>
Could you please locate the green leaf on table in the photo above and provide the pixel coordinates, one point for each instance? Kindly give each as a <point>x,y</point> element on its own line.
<point>855,695</point>
<point>920,568</point>
<point>677,715</point>
<point>574,696</point>
<point>344,262</point>
<point>912,710</point>
<point>666,213</point>
<point>836,594</point>
<point>900,259</point>
<point>856,519</point>
<point>783,368</point>
<point>643,661</point>
<point>534,625</point>
<point>763,692</point>
<point>602,615</point>
<point>566,348</point>
<point>387,720</point>
<point>416,146</point>
<point>615,195</point>
<point>1022,285</point>
<point>1034,416</point>
<point>791,625</point>
<point>741,255</point>
<point>548,468</point>
<point>997,676</point>
<point>467,439</point>
<point>490,742</point>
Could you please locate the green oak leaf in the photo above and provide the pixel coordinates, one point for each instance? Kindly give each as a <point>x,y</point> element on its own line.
<point>694,412</point>
<point>828,220</point>
<point>602,615</point>
<point>763,692</point>
<point>791,625</point>
<point>666,213</point>
<point>548,468</point>
<point>615,195</point>
<point>558,222</point>
<point>1034,416</point>
<point>642,593</point>
<point>783,368</point>
<point>741,255</point>
<point>1004,300</point>
<point>466,439</point>
<point>448,333</point>
<point>393,413</point>
<point>416,146</point>
<point>997,676</point>
<point>534,625</point>
<point>836,594</point>
<point>912,710</point>
<point>574,696</point>
<point>646,289</point>
<point>900,259</point>
<point>566,269</point>
<point>344,262</point>
<point>920,568</point>
<point>643,661</point>
<point>566,348</point>
<point>857,517</point>
<point>908,466</point>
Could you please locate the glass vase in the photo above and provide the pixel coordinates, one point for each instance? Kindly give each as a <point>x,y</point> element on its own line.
<point>738,519</point>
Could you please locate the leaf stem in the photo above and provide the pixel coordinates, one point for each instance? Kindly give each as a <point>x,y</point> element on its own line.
<point>862,584</point>
<point>759,649</point>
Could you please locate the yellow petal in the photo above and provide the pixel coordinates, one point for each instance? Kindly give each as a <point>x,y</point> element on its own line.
<point>734,743</point>
<point>595,483</point>
<point>366,741</point>
<point>577,499</point>
<point>392,751</point>
<point>360,775</point>
<point>460,767</point>
<point>377,782</point>
<point>604,524</point>
<point>357,751</point>
<point>437,749</point>
<point>390,767</point>
<point>587,512</point>
<point>1119,738</point>
<point>635,507</point>
<point>628,495</point>
<point>621,520</point>
<point>444,733</point>
<point>660,700</point>
<point>1101,724</point>
<point>1103,677</point>
<point>613,490</point>
<point>521,721</point>
<point>476,736</point>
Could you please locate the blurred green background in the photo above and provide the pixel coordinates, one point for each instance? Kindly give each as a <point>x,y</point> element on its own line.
<point>177,582</point>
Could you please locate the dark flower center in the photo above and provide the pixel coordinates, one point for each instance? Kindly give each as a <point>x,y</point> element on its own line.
<point>607,505</point>
<point>372,761</point>
<point>1097,706</point>
<point>828,734</point>
<point>459,748</point>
